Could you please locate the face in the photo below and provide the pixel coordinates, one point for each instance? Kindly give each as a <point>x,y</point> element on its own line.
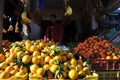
<point>52,19</point>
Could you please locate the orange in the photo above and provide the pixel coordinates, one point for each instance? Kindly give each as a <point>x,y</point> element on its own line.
<point>16,49</point>
<point>115,57</point>
<point>79,67</point>
<point>64,74</point>
<point>57,58</point>
<point>33,48</point>
<point>53,46</point>
<point>46,66</point>
<point>19,74</point>
<point>34,68</point>
<point>23,69</point>
<point>81,72</point>
<point>3,65</point>
<point>86,70</point>
<point>8,60</point>
<point>47,59</point>
<point>26,59</point>
<point>64,58</point>
<point>108,57</point>
<point>73,61</point>
<point>41,71</point>
<point>16,67</point>
<point>36,53</point>
<point>2,57</point>
<point>13,72</point>
<point>20,53</point>
<point>52,61</point>
<point>4,75</point>
<point>69,55</point>
<point>53,68</point>
<point>9,68</point>
<point>35,60</point>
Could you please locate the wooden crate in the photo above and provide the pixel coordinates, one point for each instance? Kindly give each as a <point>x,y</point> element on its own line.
<point>105,65</point>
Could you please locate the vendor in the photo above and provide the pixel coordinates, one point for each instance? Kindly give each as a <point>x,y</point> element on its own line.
<point>54,31</point>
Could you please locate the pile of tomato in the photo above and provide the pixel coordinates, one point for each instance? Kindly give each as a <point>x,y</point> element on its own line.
<point>97,48</point>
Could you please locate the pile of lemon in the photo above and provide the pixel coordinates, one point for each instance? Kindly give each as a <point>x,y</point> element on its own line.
<point>40,59</point>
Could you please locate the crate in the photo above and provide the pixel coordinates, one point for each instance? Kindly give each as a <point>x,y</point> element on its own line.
<point>31,77</point>
<point>105,65</point>
<point>11,78</point>
<point>24,77</point>
<point>109,75</point>
<point>91,77</point>
<point>88,77</point>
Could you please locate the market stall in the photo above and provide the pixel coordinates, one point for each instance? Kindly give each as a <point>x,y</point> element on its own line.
<point>96,57</point>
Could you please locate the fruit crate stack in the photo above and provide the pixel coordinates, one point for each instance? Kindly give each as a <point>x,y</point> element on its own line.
<point>100,53</point>
<point>106,65</point>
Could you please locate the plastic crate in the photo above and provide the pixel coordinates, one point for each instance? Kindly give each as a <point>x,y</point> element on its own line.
<point>105,65</point>
<point>91,77</point>
<point>88,77</point>
<point>109,75</point>
<point>31,77</point>
<point>11,78</point>
<point>24,77</point>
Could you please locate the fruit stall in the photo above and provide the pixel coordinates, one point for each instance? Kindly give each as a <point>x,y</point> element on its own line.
<point>93,59</point>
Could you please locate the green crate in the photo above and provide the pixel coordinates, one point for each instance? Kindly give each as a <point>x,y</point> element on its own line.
<point>109,75</point>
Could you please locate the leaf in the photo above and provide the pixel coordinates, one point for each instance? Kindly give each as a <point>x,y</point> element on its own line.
<point>57,73</point>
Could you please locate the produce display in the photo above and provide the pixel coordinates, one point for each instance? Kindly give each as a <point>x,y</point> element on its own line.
<point>40,59</point>
<point>96,48</point>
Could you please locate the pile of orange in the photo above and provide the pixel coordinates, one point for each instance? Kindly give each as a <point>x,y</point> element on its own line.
<point>42,59</point>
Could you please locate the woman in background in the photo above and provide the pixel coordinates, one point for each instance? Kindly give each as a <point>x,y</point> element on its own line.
<point>54,31</point>
<point>36,26</point>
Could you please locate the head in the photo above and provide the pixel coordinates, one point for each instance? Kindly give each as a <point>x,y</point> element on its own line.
<point>37,17</point>
<point>53,18</point>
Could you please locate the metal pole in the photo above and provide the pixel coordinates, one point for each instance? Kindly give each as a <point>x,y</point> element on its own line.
<point>1,22</point>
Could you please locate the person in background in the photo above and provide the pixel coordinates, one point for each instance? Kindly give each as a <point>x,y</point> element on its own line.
<point>54,31</point>
<point>10,21</point>
<point>70,30</point>
<point>36,26</point>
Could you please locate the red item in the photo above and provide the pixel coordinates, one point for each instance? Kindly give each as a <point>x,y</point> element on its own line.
<point>56,33</point>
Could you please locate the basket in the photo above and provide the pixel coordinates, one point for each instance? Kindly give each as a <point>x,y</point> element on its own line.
<point>105,65</point>
<point>109,75</point>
